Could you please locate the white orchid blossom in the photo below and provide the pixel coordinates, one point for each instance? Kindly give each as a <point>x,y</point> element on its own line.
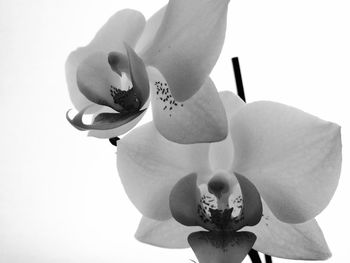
<point>175,50</point>
<point>278,165</point>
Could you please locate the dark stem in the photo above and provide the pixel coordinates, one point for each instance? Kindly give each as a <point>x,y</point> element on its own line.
<point>253,254</point>
<point>238,77</point>
<point>268,259</point>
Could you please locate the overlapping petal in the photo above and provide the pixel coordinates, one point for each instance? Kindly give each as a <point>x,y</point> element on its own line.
<point>110,37</point>
<point>292,241</point>
<point>188,43</point>
<point>150,31</point>
<point>202,118</point>
<point>95,79</point>
<point>149,166</point>
<point>221,154</point>
<point>293,158</point>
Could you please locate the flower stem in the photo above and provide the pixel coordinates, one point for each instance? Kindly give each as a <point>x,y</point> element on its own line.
<point>268,259</point>
<point>253,254</point>
<point>238,77</point>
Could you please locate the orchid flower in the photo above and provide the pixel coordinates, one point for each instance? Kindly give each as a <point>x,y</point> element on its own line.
<point>277,169</point>
<point>169,57</point>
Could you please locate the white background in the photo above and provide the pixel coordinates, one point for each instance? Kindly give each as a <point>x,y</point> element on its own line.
<point>60,196</point>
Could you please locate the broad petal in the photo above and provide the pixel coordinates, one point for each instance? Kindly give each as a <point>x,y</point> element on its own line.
<point>166,234</point>
<point>221,247</point>
<point>188,43</point>
<point>202,118</point>
<point>221,154</point>
<point>293,158</point>
<point>149,166</point>
<point>111,37</point>
<point>301,241</point>
<point>125,26</point>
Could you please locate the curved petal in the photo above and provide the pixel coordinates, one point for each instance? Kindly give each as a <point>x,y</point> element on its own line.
<point>149,166</point>
<point>96,80</point>
<point>125,26</point>
<point>252,207</point>
<point>103,121</point>
<point>221,154</point>
<point>111,37</point>
<point>150,31</point>
<point>139,77</point>
<point>202,118</point>
<point>293,158</point>
<point>188,43</point>
<point>166,234</point>
<point>184,200</point>
<point>103,134</point>
<point>301,241</point>
<point>73,61</point>
<point>221,247</point>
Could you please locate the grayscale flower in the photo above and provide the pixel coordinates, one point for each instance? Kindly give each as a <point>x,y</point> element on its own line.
<point>177,47</point>
<point>291,158</point>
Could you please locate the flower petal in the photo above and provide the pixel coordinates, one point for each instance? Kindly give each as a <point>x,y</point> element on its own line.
<point>96,79</point>
<point>221,247</point>
<point>252,206</point>
<point>202,118</point>
<point>188,43</point>
<point>103,134</point>
<point>184,200</point>
<point>125,26</point>
<point>103,121</point>
<point>301,241</point>
<point>138,74</point>
<point>150,31</point>
<point>166,234</point>
<point>149,166</point>
<point>293,158</point>
<point>221,154</point>
<point>111,37</point>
